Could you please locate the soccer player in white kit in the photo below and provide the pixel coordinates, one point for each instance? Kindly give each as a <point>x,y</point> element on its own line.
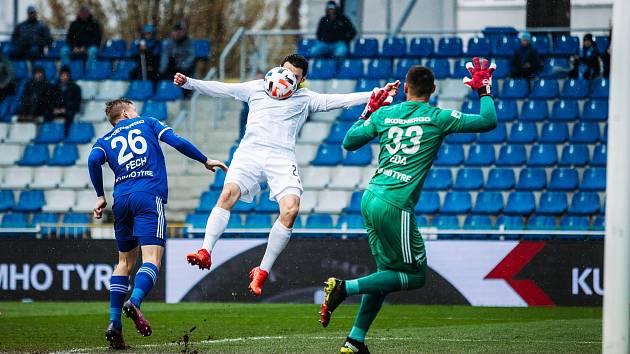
<point>266,153</point>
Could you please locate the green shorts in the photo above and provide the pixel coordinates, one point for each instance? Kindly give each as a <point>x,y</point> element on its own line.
<point>393,235</point>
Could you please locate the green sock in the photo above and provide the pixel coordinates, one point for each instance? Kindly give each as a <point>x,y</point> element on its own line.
<point>370,306</point>
<point>384,281</point>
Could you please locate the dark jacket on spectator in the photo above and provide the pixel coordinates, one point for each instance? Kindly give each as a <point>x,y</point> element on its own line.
<point>6,72</point>
<point>67,96</point>
<point>36,99</point>
<point>84,33</point>
<point>31,33</point>
<point>177,54</point>
<point>589,62</point>
<point>525,62</point>
<point>339,29</point>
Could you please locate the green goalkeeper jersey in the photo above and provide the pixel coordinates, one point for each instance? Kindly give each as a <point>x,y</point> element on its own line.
<point>410,135</point>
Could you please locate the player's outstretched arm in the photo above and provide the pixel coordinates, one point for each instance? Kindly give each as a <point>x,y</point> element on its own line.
<point>326,102</point>
<point>96,159</point>
<point>239,91</point>
<point>189,150</point>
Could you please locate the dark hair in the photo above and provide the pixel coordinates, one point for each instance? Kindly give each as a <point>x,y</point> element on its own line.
<point>38,69</point>
<point>115,108</point>
<point>65,69</point>
<point>420,81</point>
<point>588,36</point>
<point>298,61</point>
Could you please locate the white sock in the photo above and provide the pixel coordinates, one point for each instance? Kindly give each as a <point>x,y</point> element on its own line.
<point>215,227</point>
<point>278,239</point>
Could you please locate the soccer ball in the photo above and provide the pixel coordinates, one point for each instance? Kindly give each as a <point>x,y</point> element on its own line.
<point>280,83</point>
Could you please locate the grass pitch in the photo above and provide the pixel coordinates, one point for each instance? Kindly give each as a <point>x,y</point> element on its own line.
<point>265,328</point>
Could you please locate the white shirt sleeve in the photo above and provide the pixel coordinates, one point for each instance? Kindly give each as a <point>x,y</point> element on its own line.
<point>239,91</point>
<point>325,102</point>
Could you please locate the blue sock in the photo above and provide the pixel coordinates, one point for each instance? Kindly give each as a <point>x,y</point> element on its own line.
<point>143,283</point>
<point>119,285</point>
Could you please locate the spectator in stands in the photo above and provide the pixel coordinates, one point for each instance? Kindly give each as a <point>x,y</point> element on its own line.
<point>66,99</point>
<point>149,47</point>
<point>334,33</point>
<point>526,62</point>
<point>36,97</point>
<point>83,39</point>
<point>6,77</point>
<point>586,65</point>
<point>30,37</point>
<point>178,54</point>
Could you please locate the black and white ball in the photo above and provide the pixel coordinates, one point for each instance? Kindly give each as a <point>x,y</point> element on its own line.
<point>280,83</point>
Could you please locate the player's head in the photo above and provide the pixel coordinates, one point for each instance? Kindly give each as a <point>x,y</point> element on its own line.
<point>297,64</point>
<point>419,82</point>
<point>120,109</point>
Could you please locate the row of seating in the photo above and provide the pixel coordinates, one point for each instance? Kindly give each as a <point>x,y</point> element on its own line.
<point>48,177</point>
<point>34,200</point>
<point>75,224</point>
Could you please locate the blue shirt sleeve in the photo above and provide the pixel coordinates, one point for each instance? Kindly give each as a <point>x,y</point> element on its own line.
<point>95,160</point>
<point>183,146</point>
<point>158,127</point>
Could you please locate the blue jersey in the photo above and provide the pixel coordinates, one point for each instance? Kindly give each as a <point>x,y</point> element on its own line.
<point>132,149</point>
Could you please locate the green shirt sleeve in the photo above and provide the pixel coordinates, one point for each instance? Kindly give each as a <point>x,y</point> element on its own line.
<point>361,133</point>
<point>452,121</point>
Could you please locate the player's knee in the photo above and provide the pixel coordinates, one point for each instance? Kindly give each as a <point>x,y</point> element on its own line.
<point>289,212</point>
<point>417,279</point>
<point>124,267</point>
<point>229,196</point>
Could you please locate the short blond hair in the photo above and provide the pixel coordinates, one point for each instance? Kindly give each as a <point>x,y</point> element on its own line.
<point>114,109</point>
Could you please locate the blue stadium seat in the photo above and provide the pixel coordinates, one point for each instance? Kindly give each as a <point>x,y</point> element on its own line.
<point>265,205</point>
<point>600,88</point>
<point>403,65</point>
<point>349,221</point>
<point>50,133</point>
<point>564,110</point>
<point>604,138</point>
<point>134,48</point>
<point>438,179</point>
<point>257,221</point>
<point>534,110</point>
<point>421,221</point>
<point>421,47</point>
<point>14,220</point>
<point>114,49</point>
<point>123,69</point>
<point>552,203</point>
<point>574,89</point>
<point>515,88</point>
<point>350,69</point>
<point>563,179</point>
<point>595,110</point>
<point>80,133</point>
<point>323,69</point>
<point>365,48</point>
<point>478,47</point>
<point>594,179</point>
<point>510,222</point>
<point>450,47</point>
<point>207,201</point>
<point>570,222</point>
<point>450,155</point>
<point>586,133</point>
<point>511,155</point>
<point>361,157</point>
<point>603,42</point>
<point>504,46</point>
<point>202,48</point>
<point>79,226</point>
<point>219,179</point>
<point>243,207</point>
<point>468,179</point>
<point>507,110</point>
<point>30,201</point>
<point>532,179</point>
<point>429,203</point>
<point>140,90</point>
<point>351,114</point>
<point>480,155</point>
<point>500,179</point>
<point>600,154</point>
<point>556,68</point>
<point>541,222</point>
<point>497,135</point>
<point>77,69</point>
<point>503,68</point>
<point>460,71</point>
<point>319,221</point>
<point>523,133</point>
<point>354,206</point>
<point>101,70</point>
<point>542,155</point>
<point>574,155</point>
<point>544,89</point>
<point>599,223</point>
<point>542,44</point>
<point>585,203</point>
<point>554,132</point>
<point>394,47</point>
<point>477,222</point>
<point>460,138</point>
<point>456,203</point>
<point>379,69</point>
<point>520,203</point>
<point>470,107</point>
<point>50,68</point>
<point>155,109</point>
<point>64,155</point>
<point>304,46</point>
<point>8,107</point>
<point>448,222</point>
<point>337,132</point>
<point>196,221</point>
<point>167,91</point>
<point>7,200</point>
<point>45,218</point>
<point>488,203</point>
<point>54,51</point>
<point>328,155</point>
<point>364,85</point>
<point>34,155</point>
<point>564,45</point>
<point>441,68</point>
<point>20,68</point>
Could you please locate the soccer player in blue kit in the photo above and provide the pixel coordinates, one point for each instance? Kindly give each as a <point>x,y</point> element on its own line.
<point>132,150</point>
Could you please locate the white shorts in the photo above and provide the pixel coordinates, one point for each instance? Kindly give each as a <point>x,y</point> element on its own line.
<point>253,165</point>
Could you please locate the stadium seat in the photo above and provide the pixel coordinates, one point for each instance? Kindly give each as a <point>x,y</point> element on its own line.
<point>595,110</point>
<point>503,68</point>
<point>575,223</point>
<point>564,110</point>
<point>77,71</point>
<point>599,223</point>
<point>468,179</point>
<point>110,90</point>
<point>510,222</point>
<point>534,110</point>
<point>564,45</point>
<point>257,221</point>
<point>574,155</point>
<point>140,90</point>
<point>360,157</point>
<point>563,179</point>
<point>304,46</point>
<point>17,177</point>
<point>394,47</point>
<point>20,68</point>
<point>603,42</point>
<point>354,206</point>
<point>315,177</point>
<point>585,133</point>
<point>542,155</point>
<point>477,222</point>
<point>456,203</point>
<point>470,107</point>
<point>600,88</point>
<point>594,179</point>
<point>101,70</point>
<point>585,203</point>
<point>421,47</point>
<point>531,179</point>
<point>379,69</point>
<point>114,49</point>
<point>497,135</point>
<point>450,155</point>
<point>554,133</point>
<point>308,201</point>
<point>167,91</point>
<point>323,69</point>
<point>429,203</point>
<point>305,153</point>
<point>604,138</point>
<point>77,225</point>
<point>75,177</point>
<point>449,47</point>
<point>124,69</point>
<point>555,68</point>
<point>403,65</point>
<point>544,89</point>
<point>351,114</point>
<point>155,109</point>
<point>315,132</point>
<point>365,85</point>
<point>219,179</point>
<point>448,222</point>
<point>507,110</point>
<point>196,221</point>
<point>14,220</point>
<point>337,133</point>
<point>520,203</point>
<point>50,68</point>
<point>46,177</point>
<point>511,155</point>
<point>207,201</point>
<point>30,201</point>
<point>441,68</point>
<point>45,218</point>
<point>34,155</point>
<point>514,89</point>
<point>600,154</point>
<point>7,200</point>
<point>479,155</point>
<point>478,47</point>
<point>346,178</point>
<point>460,71</point>
<point>332,202</point>
<point>202,49</point>
<point>50,133</point>
<point>523,133</point>
<point>504,46</point>
<point>89,89</point>
<point>60,200</point>
<point>500,179</point>
<point>542,44</point>
<point>80,133</point>
<point>488,203</point>
<point>319,221</point>
<point>351,69</point>
<point>265,205</point>
<point>349,222</point>
<point>541,222</point>
<point>574,89</point>
<point>64,155</point>
<point>438,179</point>
<point>552,203</point>
<point>460,138</point>
<point>365,48</point>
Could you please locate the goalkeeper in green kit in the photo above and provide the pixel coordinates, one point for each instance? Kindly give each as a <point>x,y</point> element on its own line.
<point>410,135</point>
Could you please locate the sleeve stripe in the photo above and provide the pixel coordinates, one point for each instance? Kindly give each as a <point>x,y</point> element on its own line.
<point>162,132</point>
<point>103,150</point>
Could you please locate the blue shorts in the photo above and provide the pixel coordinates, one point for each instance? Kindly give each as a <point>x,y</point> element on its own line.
<point>139,219</point>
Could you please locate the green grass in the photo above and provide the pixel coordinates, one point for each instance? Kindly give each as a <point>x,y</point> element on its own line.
<point>265,328</point>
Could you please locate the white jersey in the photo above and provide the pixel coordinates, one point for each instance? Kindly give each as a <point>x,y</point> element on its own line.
<point>275,123</point>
